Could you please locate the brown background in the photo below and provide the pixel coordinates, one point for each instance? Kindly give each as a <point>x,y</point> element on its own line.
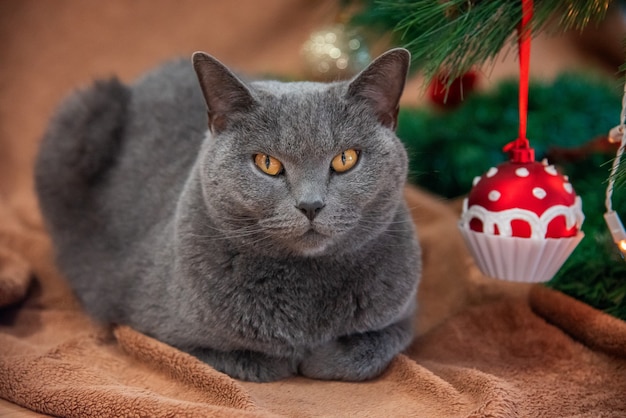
<point>48,48</point>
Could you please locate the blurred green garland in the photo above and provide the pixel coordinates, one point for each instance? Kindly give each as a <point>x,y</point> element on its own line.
<point>448,149</point>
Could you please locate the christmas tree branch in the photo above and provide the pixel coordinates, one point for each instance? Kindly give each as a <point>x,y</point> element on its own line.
<point>455,35</point>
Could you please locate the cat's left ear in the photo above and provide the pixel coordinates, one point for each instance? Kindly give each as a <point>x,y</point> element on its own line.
<point>223,92</point>
<point>381,84</point>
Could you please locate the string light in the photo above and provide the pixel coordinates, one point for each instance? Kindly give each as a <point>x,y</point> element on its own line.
<point>617,134</point>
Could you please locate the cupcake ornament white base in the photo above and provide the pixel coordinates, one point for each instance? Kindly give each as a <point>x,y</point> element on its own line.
<point>519,259</point>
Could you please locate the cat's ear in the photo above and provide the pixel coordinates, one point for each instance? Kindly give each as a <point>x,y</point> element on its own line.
<point>223,92</point>
<point>381,84</point>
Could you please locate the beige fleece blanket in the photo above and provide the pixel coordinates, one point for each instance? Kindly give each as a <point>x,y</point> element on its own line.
<point>486,348</point>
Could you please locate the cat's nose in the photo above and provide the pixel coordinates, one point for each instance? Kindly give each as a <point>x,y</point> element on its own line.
<point>310,209</point>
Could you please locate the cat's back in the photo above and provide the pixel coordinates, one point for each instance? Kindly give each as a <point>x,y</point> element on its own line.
<point>114,159</point>
<point>164,130</point>
<point>113,142</point>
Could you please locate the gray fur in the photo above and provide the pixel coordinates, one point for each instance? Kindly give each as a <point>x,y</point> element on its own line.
<point>172,229</point>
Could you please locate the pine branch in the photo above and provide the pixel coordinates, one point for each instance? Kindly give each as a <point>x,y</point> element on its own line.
<point>455,35</point>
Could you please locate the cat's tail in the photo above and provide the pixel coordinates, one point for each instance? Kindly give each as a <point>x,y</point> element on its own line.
<point>81,143</point>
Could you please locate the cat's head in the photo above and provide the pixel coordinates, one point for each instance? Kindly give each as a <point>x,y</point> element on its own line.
<point>303,168</point>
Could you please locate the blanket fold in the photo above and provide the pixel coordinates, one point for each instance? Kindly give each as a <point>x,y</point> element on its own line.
<point>485,348</point>
<point>590,326</point>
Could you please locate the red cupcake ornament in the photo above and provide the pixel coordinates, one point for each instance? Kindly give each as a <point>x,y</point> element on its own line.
<point>521,221</point>
<point>530,200</point>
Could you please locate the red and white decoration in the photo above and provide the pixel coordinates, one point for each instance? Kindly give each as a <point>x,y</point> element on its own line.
<point>522,219</point>
<point>529,200</point>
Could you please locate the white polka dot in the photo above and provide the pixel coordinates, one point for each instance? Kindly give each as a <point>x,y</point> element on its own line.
<point>494,195</point>
<point>522,172</point>
<point>492,172</point>
<point>566,178</point>
<point>551,170</point>
<point>544,162</point>
<point>568,187</point>
<point>476,180</point>
<point>539,193</point>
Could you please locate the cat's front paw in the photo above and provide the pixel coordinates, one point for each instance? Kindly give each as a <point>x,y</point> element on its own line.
<point>347,358</point>
<point>359,356</point>
<point>248,365</point>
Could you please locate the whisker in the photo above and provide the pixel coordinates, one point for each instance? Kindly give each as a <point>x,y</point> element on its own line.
<point>224,237</point>
<point>374,222</point>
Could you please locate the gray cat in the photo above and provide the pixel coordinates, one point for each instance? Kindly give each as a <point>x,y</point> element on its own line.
<point>275,243</point>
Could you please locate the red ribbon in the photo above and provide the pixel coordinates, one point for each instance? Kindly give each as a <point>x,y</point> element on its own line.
<point>519,150</point>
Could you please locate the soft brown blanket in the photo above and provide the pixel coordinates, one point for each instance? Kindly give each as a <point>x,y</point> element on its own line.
<point>487,348</point>
<point>484,347</point>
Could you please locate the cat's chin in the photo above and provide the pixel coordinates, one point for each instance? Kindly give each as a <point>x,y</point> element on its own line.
<point>312,243</point>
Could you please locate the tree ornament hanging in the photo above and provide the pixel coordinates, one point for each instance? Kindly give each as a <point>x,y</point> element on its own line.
<point>525,200</point>
<point>448,94</point>
<point>522,219</point>
<point>617,135</point>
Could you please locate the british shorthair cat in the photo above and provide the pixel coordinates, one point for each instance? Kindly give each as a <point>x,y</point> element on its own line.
<point>275,242</point>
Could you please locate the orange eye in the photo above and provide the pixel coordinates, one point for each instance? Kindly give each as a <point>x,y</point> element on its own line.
<point>268,165</point>
<point>345,161</point>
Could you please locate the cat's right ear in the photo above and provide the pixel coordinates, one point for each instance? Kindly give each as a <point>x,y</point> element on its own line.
<point>223,92</point>
<point>381,84</point>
